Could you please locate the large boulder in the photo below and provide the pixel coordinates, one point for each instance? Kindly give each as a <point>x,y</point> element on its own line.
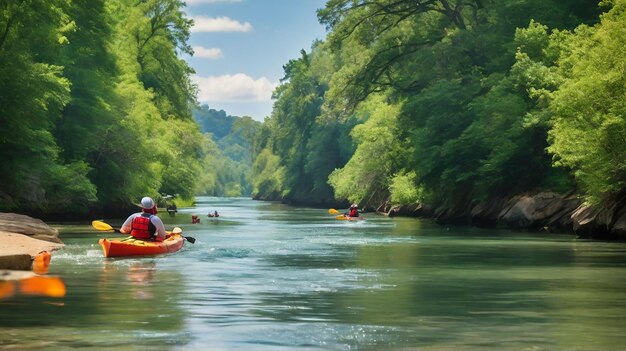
<point>607,221</point>
<point>35,228</point>
<point>542,210</point>
<point>23,239</point>
<point>486,214</point>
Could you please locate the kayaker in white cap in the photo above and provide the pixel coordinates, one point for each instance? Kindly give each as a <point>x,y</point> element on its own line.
<point>354,211</point>
<point>145,225</point>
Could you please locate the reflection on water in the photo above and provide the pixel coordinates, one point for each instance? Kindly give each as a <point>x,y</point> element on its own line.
<point>141,278</point>
<point>272,277</point>
<point>108,303</point>
<point>32,285</point>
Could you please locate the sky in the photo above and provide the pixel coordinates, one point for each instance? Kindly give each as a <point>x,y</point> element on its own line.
<point>240,47</point>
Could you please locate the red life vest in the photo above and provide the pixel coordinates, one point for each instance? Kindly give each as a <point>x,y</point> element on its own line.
<point>354,212</point>
<point>142,228</point>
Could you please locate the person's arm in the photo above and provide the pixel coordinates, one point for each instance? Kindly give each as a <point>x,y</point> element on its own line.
<point>160,228</point>
<point>127,226</point>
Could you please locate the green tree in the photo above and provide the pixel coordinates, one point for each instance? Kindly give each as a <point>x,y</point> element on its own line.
<point>589,122</point>
<point>365,179</point>
<point>267,175</point>
<point>33,93</point>
<point>298,100</point>
<point>465,112</point>
<point>157,30</point>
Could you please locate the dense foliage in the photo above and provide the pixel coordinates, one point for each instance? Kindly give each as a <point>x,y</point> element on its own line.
<point>451,102</point>
<point>448,102</point>
<point>296,153</point>
<point>96,105</point>
<point>233,160</point>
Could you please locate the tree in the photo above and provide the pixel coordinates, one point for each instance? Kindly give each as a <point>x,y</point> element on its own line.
<point>589,122</point>
<point>448,66</point>
<point>33,93</point>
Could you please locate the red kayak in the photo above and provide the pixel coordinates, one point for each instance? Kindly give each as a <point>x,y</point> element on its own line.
<point>135,247</point>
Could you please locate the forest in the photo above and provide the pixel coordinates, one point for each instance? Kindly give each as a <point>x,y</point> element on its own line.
<point>451,103</point>
<point>444,102</point>
<point>97,110</point>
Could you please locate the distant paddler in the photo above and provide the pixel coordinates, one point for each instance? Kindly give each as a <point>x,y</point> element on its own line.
<point>352,214</point>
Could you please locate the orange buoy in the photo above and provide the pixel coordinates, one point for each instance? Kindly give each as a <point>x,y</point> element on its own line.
<point>41,262</point>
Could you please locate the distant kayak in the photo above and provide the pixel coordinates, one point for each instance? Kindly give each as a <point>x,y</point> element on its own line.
<point>346,218</point>
<point>135,247</point>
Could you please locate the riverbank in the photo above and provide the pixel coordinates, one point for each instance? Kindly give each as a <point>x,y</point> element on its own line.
<point>26,244</point>
<point>542,211</point>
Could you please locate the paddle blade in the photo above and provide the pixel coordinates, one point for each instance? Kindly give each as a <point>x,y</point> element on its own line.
<point>190,239</point>
<point>99,225</point>
<point>332,211</point>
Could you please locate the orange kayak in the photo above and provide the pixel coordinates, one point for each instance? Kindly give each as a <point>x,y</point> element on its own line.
<point>135,247</point>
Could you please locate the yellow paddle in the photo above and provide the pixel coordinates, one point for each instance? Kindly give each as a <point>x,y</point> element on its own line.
<point>332,211</point>
<point>105,227</point>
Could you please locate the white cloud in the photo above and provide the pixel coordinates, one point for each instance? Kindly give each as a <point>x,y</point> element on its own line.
<point>234,88</point>
<point>219,24</point>
<point>212,53</point>
<point>197,2</point>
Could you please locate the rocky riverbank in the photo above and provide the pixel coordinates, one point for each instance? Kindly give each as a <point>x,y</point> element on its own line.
<point>537,211</point>
<point>26,244</point>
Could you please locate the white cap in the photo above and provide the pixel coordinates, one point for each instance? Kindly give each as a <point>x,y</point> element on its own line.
<point>147,203</point>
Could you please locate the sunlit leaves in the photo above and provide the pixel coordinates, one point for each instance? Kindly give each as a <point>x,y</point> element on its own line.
<point>377,154</point>
<point>589,107</point>
<point>403,190</point>
<point>268,176</point>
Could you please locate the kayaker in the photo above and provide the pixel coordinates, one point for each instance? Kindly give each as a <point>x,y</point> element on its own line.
<point>172,209</point>
<point>354,211</point>
<point>145,225</point>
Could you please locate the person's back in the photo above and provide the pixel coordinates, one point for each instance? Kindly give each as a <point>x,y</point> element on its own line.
<point>145,225</point>
<point>354,211</point>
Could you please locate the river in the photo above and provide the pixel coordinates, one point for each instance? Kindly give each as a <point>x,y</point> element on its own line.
<point>266,276</point>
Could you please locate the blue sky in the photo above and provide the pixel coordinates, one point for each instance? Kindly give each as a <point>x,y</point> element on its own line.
<point>241,46</point>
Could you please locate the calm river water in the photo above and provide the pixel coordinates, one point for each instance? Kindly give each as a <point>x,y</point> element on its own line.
<point>266,276</point>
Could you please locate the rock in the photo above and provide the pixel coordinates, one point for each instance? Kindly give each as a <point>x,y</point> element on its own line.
<point>22,262</point>
<point>538,211</point>
<point>541,210</point>
<point>17,223</point>
<point>593,221</point>
<point>411,210</point>
<point>619,227</point>
<point>519,212</point>
<point>18,250</point>
<point>457,215</point>
<point>23,238</point>
<point>486,214</point>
